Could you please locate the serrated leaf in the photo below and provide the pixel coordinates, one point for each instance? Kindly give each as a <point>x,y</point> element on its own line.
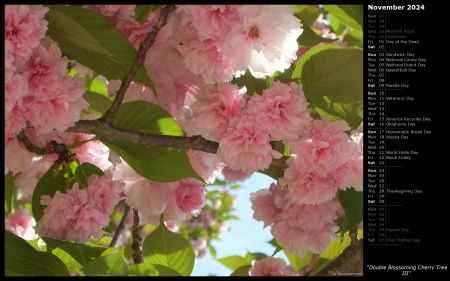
<point>352,203</point>
<point>332,79</point>
<point>242,271</point>
<point>84,171</point>
<point>112,265</point>
<point>114,65</point>
<point>47,185</point>
<point>234,262</point>
<point>98,104</point>
<point>169,249</point>
<point>146,117</point>
<point>156,164</point>
<point>80,252</point>
<point>22,259</point>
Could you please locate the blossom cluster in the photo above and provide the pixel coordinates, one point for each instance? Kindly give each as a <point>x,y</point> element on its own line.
<point>38,91</point>
<point>324,160</point>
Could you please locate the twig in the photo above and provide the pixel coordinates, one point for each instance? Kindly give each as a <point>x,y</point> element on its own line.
<point>143,48</point>
<point>120,227</point>
<point>138,257</point>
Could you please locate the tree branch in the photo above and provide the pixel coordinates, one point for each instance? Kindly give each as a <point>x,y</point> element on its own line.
<point>121,226</point>
<point>138,257</point>
<point>140,58</point>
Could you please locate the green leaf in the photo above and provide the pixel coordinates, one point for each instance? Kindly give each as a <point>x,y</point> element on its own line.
<point>146,117</point>
<point>297,262</point>
<point>84,171</point>
<point>234,262</point>
<point>332,79</point>
<point>98,103</point>
<point>350,15</point>
<point>254,256</point>
<point>143,11</point>
<point>80,252</point>
<point>253,85</point>
<point>120,53</point>
<point>352,202</point>
<point>22,259</point>
<point>242,271</point>
<point>47,185</point>
<point>156,164</point>
<point>309,38</point>
<point>169,249</point>
<point>112,265</point>
<point>11,192</point>
<point>63,28</point>
<point>273,171</point>
<point>166,271</point>
<point>212,251</point>
<point>67,259</point>
<point>334,249</point>
<point>143,269</point>
<point>96,85</point>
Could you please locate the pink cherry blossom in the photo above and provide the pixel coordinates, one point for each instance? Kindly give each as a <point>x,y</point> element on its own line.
<point>266,39</point>
<point>270,266</point>
<point>235,175</point>
<point>215,107</point>
<point>307,227</point>
<point>150,198</point>
<point>263,205</point>
<point>191,196</point>
<point>17,158</point>
<point>351,174</point>
<point>282,110</point>
<point>246,146</point>
<point>207,165</point>
<point>202,57</point>
<point>113,12</point>
<point>21,223</point>
<point>25,26</point>
<point>305,185</point>
<point>105,192</point>
<point>27,180</point>
<point>328,145</point>
<point>71,216</point>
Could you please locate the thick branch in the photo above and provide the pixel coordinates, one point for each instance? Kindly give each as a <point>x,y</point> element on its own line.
<point>101,129</point>
<point>143,48</point>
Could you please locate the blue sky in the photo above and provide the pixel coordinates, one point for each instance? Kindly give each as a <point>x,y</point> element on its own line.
<point>246,235</point>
